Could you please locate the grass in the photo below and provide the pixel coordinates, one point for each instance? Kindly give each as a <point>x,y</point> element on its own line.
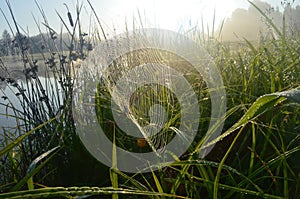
<point>256,156</point>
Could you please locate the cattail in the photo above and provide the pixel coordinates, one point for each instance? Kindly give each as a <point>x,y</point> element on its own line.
<point>70,19</point>
<point>69,16</point>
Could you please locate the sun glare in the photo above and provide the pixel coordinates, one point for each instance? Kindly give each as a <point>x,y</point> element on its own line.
<point>175,14</point>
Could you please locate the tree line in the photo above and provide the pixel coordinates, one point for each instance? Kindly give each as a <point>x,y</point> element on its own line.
<point>11,45</point>
<point>250,24</point>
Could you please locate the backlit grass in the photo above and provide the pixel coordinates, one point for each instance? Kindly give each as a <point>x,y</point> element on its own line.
<point>257,156</point>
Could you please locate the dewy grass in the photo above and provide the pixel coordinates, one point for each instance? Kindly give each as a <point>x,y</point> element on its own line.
<point>42,98</point>
<point>256,156</point>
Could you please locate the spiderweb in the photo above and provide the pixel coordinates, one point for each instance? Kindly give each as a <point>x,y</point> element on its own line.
<point>153,111</point>
<point>157,93</point>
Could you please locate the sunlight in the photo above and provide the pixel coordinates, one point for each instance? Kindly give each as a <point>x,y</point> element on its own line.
<point>175,15</point>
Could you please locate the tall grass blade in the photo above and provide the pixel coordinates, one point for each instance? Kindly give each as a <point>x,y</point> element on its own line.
<point>113,174</point>
<point>267,18</point>
<point>261,105</point>
<point>216,183</point>
<point>19,139</point>
<point>58,192</point>
<point>157,183</point>
<point>34,169</point>
<point>33,166</point>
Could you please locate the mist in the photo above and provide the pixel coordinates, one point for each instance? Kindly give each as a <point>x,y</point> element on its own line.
<point>250,24</point>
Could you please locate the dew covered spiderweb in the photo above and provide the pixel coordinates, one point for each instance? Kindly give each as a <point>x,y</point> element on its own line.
<point>147,86</point>
<point>140,83</point>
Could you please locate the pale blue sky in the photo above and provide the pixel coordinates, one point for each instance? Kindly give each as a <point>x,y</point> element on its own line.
<point>169,14</point>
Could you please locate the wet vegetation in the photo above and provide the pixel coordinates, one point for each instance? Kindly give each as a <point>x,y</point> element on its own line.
<point>256,156</point>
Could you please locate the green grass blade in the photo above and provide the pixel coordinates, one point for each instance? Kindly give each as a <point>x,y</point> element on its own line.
<point>261,105</point>
<point>292,94</point>
<point>267,18</point>
<point>113,174</point>
<point>133,181</point>
<point>220,167</point>
<point>251,46</point>
<point>58,192</point>
<point>19,139</point>
<point>32,169</point>
<point>157,183</point>
<point>33,166</point>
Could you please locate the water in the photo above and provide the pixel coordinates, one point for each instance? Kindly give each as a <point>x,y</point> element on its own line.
<point>6,120</point>
<point>8,98</point>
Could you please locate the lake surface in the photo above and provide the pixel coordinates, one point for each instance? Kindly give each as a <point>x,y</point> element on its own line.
<point>8,98</point>
<point>6,91</point>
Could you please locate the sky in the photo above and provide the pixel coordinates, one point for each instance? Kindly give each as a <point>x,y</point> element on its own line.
<point>167,14</point>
